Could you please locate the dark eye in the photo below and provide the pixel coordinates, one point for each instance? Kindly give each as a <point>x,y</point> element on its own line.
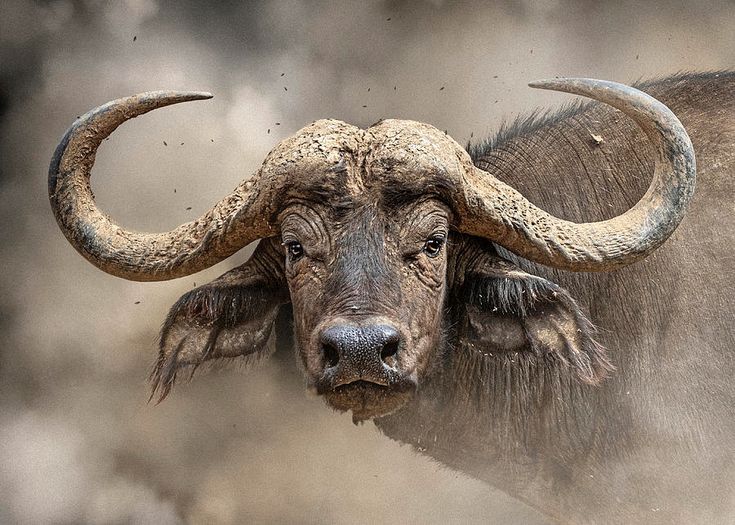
<point>433,246</point>
<point>295,250</point>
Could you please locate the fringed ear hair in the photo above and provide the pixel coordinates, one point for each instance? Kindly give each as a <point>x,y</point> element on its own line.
<point>508,310</point>
<point>232,316</point>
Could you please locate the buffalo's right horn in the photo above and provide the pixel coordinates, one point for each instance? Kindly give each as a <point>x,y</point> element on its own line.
<point>496,211</point>
<point>231,224</point>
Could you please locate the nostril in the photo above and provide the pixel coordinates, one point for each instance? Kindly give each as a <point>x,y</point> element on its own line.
<point>362,350</point>
<point>388,353</point>
<point>331,354</point>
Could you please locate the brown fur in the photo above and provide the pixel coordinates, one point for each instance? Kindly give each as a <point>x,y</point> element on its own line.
<point>508,391</point>
<point>496,369</point>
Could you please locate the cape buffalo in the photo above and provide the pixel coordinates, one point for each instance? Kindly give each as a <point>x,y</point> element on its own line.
<point>434,288</point>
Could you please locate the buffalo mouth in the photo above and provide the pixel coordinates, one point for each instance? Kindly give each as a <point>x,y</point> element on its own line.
<point>367,400</point>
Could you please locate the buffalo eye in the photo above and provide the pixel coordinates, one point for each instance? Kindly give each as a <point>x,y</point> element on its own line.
<point>434,245</point>
<point>295,250</point>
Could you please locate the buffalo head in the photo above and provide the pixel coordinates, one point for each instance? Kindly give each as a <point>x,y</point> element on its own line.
<point>383,242</point>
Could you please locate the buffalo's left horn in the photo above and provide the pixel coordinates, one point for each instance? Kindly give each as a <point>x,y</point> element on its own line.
<point>494,210</point>
<point>232,223</point>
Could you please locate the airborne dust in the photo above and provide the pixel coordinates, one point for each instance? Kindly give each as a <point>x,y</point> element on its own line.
<point>79,441</point>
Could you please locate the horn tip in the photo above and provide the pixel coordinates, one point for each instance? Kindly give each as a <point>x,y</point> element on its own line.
<point>201,95</point>
<point>545,83</point>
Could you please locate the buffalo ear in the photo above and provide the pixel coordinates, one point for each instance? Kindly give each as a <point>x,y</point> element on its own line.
<point>229,317</point>
<point>508,313</point>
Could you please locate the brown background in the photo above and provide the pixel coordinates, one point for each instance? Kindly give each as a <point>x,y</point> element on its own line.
<point>78,441</point>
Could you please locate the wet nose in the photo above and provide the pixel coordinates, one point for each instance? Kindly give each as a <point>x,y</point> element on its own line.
<point>360,352</point>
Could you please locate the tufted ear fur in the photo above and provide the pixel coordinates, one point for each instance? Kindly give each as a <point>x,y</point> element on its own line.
<point>229,317</point>
<point>507,315</point>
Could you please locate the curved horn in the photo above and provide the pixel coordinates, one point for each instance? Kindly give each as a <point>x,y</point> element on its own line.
<point>497,211</point>
<point>189,248</point>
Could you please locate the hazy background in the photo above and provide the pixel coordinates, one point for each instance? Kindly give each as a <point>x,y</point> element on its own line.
<point>78,441</point>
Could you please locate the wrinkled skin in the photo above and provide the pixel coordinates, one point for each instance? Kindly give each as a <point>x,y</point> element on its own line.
<point>358,251</point>
<point>389,280</point>
<point>496,370</point>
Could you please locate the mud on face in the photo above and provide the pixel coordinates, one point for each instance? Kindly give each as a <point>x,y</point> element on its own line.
<point>367,288</point>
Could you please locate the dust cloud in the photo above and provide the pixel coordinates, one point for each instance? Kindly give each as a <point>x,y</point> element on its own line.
<point>79,441</point>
